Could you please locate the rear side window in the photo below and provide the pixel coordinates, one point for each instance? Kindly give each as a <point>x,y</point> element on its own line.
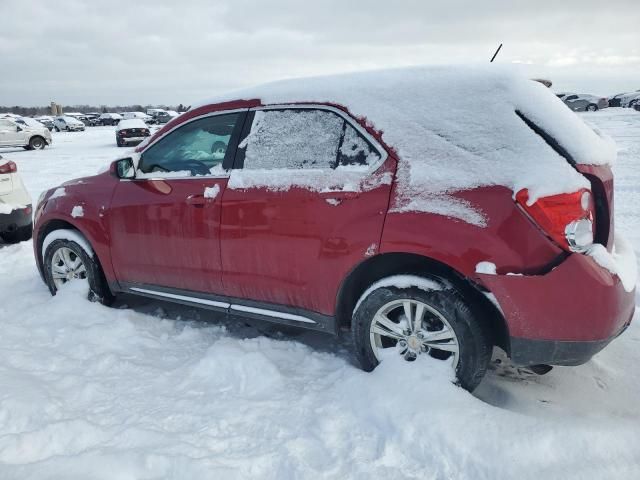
<point>196,147</point>
<point>355,149</point>
<point>304,139</point>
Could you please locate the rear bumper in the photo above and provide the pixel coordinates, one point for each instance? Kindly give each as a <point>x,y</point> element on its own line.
<point>526,351</point>
<point>133,139</point>
<point>16,219</point>
<point>565,316</point>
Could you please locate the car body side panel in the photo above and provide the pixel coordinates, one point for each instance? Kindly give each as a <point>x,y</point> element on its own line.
<point>509,239</point>
<point>296,247</point>
<point>92,224</point>
<point>166,232</point>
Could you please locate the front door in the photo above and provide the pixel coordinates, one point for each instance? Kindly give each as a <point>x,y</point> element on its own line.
<point>306,206</point>
<point>165,223</point>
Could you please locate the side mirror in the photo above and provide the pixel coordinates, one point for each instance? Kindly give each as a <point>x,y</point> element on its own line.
<point>123,168</point>
<point>18,128</point>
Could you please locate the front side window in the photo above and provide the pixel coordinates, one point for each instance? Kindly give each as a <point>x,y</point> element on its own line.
<point>198,147</point>
<point>304,139</point>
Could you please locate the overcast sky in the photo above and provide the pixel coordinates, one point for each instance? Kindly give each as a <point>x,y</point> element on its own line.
<point>157,51</point>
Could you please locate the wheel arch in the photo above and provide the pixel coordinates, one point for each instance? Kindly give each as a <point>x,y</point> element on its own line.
<point>60,224</point>
<point>380,266</point>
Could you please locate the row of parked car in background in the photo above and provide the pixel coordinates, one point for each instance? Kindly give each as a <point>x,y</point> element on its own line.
<point>75,121</point>
<point>583,102</point>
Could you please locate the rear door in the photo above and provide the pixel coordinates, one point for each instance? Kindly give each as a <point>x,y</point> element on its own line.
<point>9,134</point>
<point>306,205</point>
<point>165,223</point>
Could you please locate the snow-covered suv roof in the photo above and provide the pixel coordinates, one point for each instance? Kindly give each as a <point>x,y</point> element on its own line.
<point>457,128</point>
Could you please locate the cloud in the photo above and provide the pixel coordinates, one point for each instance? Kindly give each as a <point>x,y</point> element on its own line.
<point>146,51</point>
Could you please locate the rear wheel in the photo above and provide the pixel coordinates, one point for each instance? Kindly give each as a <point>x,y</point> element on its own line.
<point>414,323</point>
<point>66,261</point>
<point>592,107</point>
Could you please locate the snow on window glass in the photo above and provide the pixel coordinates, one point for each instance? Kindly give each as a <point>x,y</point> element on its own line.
<point>293,139</point>
<point>355,150</point>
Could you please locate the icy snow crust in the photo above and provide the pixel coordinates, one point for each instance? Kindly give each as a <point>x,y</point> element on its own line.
<point>455,129</point>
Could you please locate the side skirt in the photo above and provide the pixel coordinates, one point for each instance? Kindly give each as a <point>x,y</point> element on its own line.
<point>237,307</point>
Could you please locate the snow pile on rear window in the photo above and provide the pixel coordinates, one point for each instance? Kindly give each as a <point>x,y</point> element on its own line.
<point>455,129</point>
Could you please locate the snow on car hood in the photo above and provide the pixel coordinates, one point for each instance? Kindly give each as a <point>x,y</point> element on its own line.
<point>455,129</point>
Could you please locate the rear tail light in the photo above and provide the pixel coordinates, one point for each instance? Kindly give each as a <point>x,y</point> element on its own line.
<point>8,167</point>
<point>568,218</point>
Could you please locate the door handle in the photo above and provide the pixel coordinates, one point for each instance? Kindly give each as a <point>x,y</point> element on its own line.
<point>339,195</point>
<point>196,200</point>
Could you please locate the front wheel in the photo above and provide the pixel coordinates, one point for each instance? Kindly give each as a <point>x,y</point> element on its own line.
<point>66,261</point>
<point>592,108</point>
<point>37,143</point>
<point>413,323</point>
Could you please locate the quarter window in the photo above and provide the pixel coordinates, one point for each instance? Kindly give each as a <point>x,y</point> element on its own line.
<point>196,148</point>
<point>304,139</point>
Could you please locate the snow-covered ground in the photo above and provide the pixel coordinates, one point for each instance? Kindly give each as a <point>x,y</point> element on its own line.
<point>149,390</point>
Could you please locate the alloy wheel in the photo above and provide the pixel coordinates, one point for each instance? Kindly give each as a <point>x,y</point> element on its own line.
<point>66,266</point>
<point>412,328</point>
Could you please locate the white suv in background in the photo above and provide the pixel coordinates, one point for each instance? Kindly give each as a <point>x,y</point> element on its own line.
<point>16,224</point>
<point>29,134</point>
<point>67,123</point>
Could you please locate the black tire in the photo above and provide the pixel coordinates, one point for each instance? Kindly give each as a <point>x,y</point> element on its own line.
<point>37,143</point>
<point>592,107</point>
<point>56,129</point>
<point>98,289</point>
<point>21,234</point>
<point>633,103</point>
<point>474,344</point>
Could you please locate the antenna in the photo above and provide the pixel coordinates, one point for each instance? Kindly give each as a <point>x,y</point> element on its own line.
<point>495,54</point>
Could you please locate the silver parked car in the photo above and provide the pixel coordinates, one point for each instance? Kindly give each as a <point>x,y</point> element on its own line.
<point>67,124</point>
<point>582,102</point>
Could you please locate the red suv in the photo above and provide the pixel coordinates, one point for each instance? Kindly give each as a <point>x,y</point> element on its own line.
<point>364,202</point>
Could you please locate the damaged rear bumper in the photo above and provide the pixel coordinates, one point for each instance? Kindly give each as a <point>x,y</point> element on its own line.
<point>565,316</point>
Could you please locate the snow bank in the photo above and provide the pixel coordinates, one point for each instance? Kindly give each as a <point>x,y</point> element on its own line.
<point>92,392</point>
<point>456,128</point>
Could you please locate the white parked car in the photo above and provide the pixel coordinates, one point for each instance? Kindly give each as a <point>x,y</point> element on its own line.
<point>67,124</point>
<point>16,224</point>
<point>28,133</point>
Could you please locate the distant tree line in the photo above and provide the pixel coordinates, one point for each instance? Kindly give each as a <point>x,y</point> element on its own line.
<point>33,111</point>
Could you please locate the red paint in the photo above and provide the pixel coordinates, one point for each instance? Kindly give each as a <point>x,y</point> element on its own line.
<point>295,248</point>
